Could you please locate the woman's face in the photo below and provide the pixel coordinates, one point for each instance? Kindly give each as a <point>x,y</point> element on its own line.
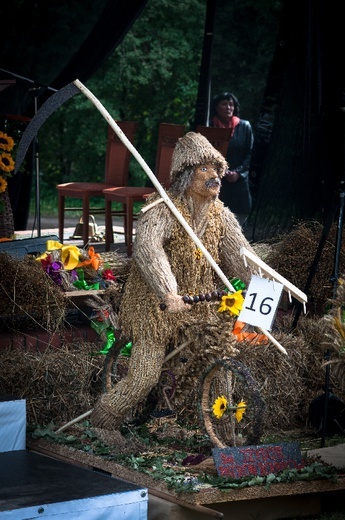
<point>225,110</point>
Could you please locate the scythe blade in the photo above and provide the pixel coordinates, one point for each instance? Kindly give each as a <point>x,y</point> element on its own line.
<point>52,104</point>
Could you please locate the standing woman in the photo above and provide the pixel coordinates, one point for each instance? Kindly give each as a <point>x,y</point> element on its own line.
<point>235,192</point>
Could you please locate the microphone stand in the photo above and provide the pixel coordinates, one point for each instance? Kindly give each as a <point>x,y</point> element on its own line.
<point>36,162</point>
<point>35,149</point>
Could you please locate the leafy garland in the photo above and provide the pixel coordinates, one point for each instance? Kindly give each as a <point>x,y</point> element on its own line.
<point>169,468</point>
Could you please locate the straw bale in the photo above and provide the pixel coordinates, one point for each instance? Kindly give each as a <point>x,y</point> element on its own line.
<point>293,256</point>
<point>61,384</point>
<point>333,340</point>
<point>28,297</point>
<point>58,384</point>
<point>289,384</point>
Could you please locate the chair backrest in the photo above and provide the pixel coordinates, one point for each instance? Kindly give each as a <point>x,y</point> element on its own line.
<point>218,137</point>
<point>117,155</point>
<point>168,136</point>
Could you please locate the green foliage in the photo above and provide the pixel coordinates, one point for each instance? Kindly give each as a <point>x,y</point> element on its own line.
<point>314,471</point>
<point>167,464</point>
<point>245,35</point>
<point>153,77</point>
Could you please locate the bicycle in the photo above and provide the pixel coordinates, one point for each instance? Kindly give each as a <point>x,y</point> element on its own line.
<point>225,377</point>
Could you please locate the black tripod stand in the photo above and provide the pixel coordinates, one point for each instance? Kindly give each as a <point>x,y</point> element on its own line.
<point>334,280</point>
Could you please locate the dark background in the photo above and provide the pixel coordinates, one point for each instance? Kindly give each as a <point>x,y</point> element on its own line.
<point>297,169</point>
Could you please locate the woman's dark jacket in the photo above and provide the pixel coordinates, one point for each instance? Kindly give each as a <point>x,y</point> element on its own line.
<point>236,195</point>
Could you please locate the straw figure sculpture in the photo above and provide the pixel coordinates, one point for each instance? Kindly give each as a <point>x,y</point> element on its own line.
<point>166,266</point>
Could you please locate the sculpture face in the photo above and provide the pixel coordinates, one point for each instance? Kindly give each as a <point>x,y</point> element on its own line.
<point>206,182</point>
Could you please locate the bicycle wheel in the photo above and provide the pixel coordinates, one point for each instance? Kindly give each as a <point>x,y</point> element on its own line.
<point>229,378</point>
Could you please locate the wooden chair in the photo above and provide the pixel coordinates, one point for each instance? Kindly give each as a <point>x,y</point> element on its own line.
<point>167,137</point>
<point>218,137</point>
<point>116,174</point>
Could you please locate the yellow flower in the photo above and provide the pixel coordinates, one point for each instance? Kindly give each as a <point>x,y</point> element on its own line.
<point>6,142</point>
<point>3,184</point>
<point>232,302</point>
<point>198,253</point>
<point>6,162</point>
<point>219,406</point>
<point>240,410</point>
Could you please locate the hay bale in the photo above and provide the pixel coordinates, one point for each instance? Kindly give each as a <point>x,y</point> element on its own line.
<point>58,385</point>
<point>28,297</point>
<point>293,257</point>
<point>64,383</point>
<point>61,384</point>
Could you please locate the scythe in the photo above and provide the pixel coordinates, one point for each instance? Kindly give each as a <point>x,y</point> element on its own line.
<point>66,93</point>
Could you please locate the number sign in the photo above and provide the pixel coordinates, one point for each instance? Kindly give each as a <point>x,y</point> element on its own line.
<point>261,302</point>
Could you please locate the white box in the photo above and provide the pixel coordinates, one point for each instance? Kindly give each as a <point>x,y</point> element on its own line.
<point>38,487</point>
<point>12,423</point>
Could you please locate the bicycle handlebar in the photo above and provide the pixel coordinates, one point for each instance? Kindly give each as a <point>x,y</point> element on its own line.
<point>208,297</point>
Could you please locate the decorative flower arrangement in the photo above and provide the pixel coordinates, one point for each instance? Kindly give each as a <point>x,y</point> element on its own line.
<point>220,407</point>
<point>72,268</point>
<point>7,163</point>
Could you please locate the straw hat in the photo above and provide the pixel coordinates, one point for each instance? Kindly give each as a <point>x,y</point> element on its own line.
<point>192,150</point>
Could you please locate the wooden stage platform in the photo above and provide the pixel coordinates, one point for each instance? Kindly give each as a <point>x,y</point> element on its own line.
<point>276,502</point>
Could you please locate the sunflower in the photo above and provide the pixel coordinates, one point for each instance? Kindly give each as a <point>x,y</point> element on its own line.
<point>3,184</point>
<point>6,142</point>
<point>6,162</point>
<point>240,411</point>
<point>232,302</point>
<point>219,406</point>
